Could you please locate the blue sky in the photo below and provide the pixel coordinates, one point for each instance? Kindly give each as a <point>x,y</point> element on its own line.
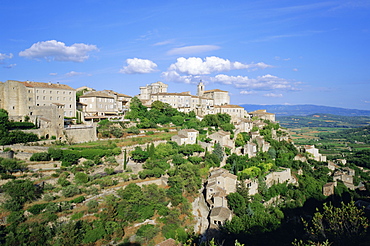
<point>261,51</point>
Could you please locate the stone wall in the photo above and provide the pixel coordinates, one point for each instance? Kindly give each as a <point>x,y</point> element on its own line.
<point>80,134</point>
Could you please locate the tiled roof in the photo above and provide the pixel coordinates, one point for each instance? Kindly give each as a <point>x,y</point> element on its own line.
<point>228,106</point>
<point>45,85</point>
<point>171,94</point>
<point>215,90</point>
<point>97,94</point>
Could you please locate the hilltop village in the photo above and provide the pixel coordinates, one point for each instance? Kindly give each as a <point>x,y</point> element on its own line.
<point>219,170</point>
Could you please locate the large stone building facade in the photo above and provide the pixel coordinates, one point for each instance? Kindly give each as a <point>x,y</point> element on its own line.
<point>17,97</point>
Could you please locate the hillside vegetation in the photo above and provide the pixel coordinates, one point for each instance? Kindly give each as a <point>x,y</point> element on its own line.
<point>112,191</point>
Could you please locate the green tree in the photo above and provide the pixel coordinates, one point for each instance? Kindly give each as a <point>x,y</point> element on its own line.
<point>344,225</point>
<point>236,203</point>
<point>20,192</point>
<point>139,155</point>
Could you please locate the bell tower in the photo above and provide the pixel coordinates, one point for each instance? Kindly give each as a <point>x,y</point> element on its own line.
<point>200,89</point>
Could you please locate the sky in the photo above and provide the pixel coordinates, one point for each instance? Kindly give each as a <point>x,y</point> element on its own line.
<point>261,51</point>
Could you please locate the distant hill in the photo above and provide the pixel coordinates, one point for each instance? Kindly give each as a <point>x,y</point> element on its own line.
<point>304,110</point>
<point>323,120</point>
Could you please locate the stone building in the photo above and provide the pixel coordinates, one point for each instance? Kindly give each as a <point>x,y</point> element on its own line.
<point>252,185</point>
<point>223,138</point>
<point>185,136</point>
<point>262,114</point>
<point>279,177</point>
<point>314,152</point>
<point>99,104</point>
<point>205,102</point>
<point>17,97</point>
<point>329,188</point>
<point>220,183</point>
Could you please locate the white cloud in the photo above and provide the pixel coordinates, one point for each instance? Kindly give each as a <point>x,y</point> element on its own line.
<point>175,77</point>
<point>195,49</point>
<point>58,51</point>
<point>265,82</point>
<point>137,65</point>
<point>295,69</point>
<point>278,58</point>
<point>247,92</point>
<point>164,42</point>
<point>10,66</point>
<point>73,73</point>
<point>273,95</point>
<point>212,64</point>
<point>53,74</point>
<point>5,56</point>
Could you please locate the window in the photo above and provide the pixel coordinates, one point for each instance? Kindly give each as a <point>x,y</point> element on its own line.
<point>43,97</point>
<point>51,98</point>
<point>43,91</point>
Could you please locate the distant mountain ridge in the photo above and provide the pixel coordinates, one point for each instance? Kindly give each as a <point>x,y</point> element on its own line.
<point>306,109</point>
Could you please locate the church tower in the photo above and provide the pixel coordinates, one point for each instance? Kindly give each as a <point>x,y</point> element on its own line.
<point>200,91</point>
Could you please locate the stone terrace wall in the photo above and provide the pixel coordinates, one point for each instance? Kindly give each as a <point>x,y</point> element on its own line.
<point>81,134</point>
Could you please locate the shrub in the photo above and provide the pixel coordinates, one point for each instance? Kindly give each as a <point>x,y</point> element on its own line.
<point>63,182</point>
<point>77,216</point>
<point>116,132</point>
<point>81,178</point>
<point>55,153</point>
<point>92,204</point>
<point>109,171</point>
<point>37,208</point>
<point>133,129</point>
<point>48,197</point>
<point>70,191</point>
<point>78,199</point>
<point>44,156</point>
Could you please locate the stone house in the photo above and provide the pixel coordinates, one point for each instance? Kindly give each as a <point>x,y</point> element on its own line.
<point>314,152</point>
<point>332,166</point>
<point>219,216</point>
<point>185,136</point>
<point>250,149</point>
<point>252,185</point>
<point>349,171</point>
<point>223,138</point>
<point>220,183</point>
<point>279,177</point>
<point>99,103</point>
<point>235,111</point>
<point>244,125</point>
<point>262,114</point>
<point>341,161</point>
<point>345,178</point>
<point>329,188</point>
<point>122,101</point>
